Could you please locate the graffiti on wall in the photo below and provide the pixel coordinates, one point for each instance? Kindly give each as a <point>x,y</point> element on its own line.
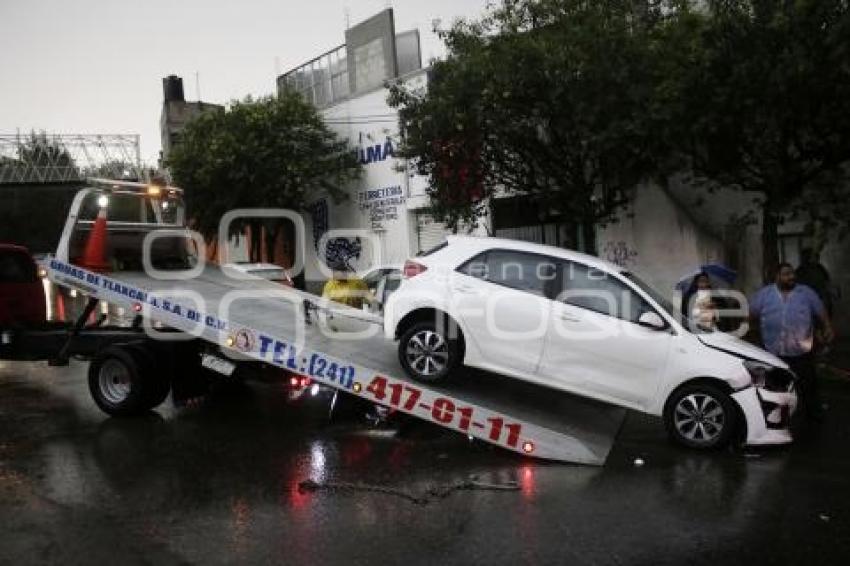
<point>619,253</point>
<point>342,252</point>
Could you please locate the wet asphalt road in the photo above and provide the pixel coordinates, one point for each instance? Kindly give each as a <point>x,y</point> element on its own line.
<point>219,485</point>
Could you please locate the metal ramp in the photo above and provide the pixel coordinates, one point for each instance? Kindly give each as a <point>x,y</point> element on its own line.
<point>260,321</point>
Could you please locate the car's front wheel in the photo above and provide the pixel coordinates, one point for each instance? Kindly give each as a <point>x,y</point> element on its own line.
<point>700,415</point>
<point>429,352</point>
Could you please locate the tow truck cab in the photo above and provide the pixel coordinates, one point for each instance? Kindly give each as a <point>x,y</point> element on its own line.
<point>133,210</point>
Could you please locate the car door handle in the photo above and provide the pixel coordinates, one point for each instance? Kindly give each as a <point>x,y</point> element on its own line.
<point>570,318</point>
<point>465,290</point>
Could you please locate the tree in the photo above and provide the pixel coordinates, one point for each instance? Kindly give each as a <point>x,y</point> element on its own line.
<point>552,99</point>
<point>272,152</point>
<point>765,106</point>
<point>40,151</point>
<point>117,169</point>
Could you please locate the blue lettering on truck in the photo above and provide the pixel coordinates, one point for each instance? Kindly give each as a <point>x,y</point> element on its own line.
<point>285,356</point>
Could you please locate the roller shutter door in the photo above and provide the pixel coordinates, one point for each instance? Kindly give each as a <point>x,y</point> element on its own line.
<point>431,233</point>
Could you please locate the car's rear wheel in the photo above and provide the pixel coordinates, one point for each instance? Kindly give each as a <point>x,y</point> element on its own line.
<point>700,415</point>
<point>429,352</point>
<point>123,381</point>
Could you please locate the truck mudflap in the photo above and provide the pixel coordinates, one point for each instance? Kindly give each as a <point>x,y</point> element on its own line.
<point>263,322</point>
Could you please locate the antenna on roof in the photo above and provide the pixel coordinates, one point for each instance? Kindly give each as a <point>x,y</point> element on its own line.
<point>347,14</point>
<point>197,86</point>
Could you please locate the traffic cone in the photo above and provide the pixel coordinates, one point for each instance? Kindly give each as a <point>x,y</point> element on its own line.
<point>94,256</point>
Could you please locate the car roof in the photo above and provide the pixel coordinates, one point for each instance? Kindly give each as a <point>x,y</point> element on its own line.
<point>248,266</point>
<point>13,248</point>
<point>482,243</point>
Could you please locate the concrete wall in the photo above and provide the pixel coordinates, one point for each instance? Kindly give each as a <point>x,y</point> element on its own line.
<point>669,232</point>
<point>658,240</point>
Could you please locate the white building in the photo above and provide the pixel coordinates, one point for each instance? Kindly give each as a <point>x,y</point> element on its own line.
<point>386,207</point>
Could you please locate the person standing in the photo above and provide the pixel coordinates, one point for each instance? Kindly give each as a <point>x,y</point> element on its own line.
<point>698,304</point>
<point>813,274</point>
<point>345,287</point>
<point>787,313</point>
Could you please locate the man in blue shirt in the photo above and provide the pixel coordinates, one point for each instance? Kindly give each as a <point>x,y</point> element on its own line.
<point>787,313</point>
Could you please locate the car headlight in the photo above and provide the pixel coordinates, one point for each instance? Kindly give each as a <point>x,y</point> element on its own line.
<point>769,377</point>
<point>758,372</point>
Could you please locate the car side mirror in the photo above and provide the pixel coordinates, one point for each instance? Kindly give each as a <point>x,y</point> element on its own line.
<point>652,320</point>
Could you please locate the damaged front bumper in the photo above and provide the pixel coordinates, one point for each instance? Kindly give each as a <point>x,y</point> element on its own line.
<point>767,414</point>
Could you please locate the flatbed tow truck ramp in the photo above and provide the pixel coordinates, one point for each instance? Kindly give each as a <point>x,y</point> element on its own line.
<point>257,321</point>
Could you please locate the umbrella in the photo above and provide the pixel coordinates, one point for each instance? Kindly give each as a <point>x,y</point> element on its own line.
<point>719,275</point>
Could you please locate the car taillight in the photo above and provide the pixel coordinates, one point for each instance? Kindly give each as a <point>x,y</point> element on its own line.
<point>412,269</point>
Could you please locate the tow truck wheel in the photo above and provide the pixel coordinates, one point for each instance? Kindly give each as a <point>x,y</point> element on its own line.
<point>700,415</point>
<point>116,381</point>
<point>428,353</point>
<point>156,383</point>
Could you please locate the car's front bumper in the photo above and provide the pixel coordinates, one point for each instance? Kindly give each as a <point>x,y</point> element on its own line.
<point>767,414</point>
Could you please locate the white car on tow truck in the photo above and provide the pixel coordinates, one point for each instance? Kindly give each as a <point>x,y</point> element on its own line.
<point>574,322</point>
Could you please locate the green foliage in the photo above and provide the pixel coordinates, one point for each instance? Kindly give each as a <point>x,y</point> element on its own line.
<point>574,103</point>
<point>272,152</point>
<point>553,99</point>
<point>763,103</point>
<point>116,169</point>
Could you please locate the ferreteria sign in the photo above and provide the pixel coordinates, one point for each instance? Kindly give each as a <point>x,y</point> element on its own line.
<point>381,204</point>
<point>367,154</point>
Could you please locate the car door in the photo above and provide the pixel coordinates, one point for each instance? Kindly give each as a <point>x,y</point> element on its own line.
<point>22,300</point>
<point>595,344</point>
<point>501,298</point>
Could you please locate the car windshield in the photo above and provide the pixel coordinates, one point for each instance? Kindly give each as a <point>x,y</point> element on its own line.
<point>662,302</point>
<point>132,207</point>
<point>16,267</point>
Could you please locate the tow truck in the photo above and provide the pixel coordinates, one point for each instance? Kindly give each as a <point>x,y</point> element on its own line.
<point>153,319</point>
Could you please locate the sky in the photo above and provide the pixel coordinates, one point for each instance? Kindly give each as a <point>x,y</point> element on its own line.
<point>96,66</point>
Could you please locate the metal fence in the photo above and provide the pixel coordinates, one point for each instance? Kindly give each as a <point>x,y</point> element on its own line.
<point>63,158</point>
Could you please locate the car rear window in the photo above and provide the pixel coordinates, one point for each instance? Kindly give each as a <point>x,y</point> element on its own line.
<point>529,272</point>
<point>16,267</point>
